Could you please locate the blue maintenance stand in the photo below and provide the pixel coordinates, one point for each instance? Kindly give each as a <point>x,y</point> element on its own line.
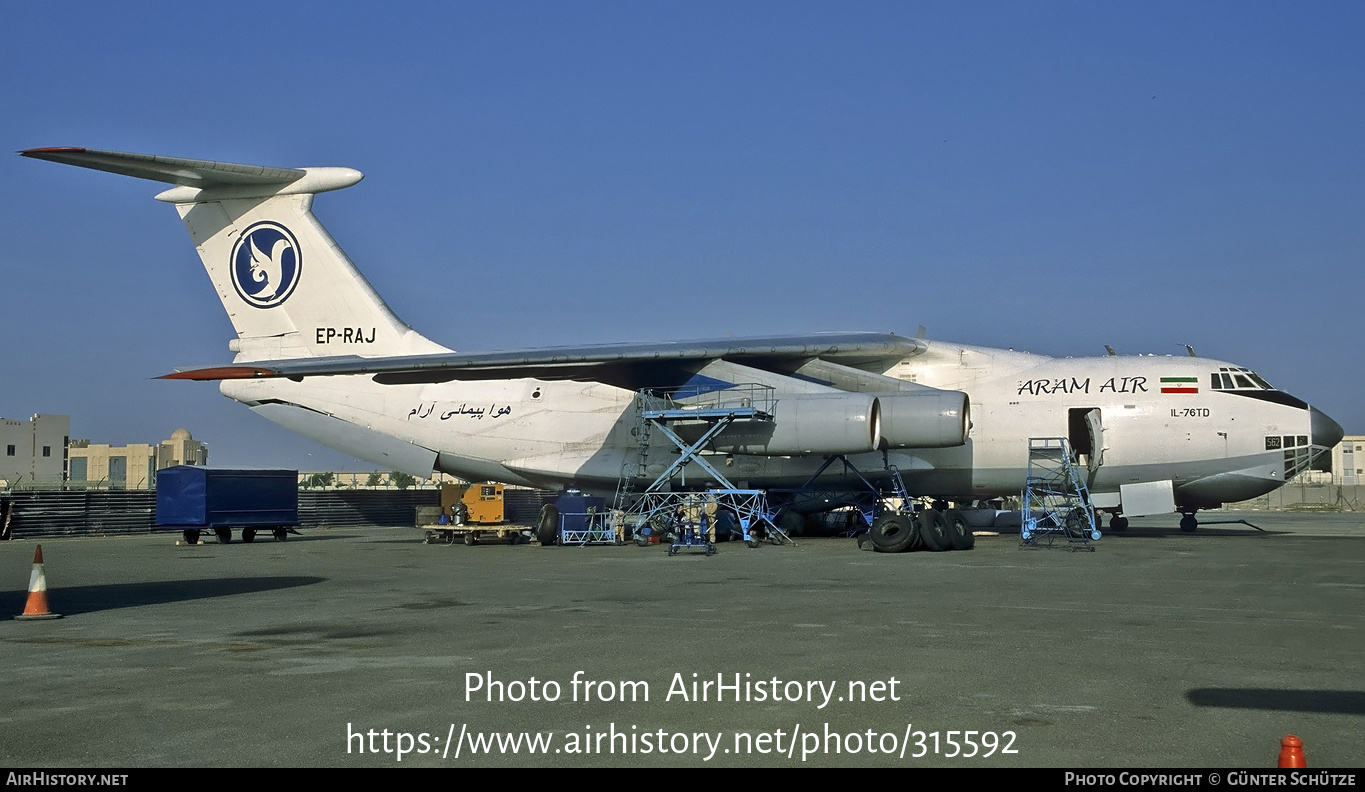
<point>1056,501</point>
<point>693,534</point>
<point>587,528</point>
<point>689,516</point>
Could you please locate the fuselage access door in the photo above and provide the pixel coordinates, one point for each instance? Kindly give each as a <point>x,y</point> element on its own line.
<point>1095,428</point>
<point>1085,432</point>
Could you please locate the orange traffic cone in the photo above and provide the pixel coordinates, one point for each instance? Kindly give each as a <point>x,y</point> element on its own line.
<point>1291,752</point>
<point>37,593</point>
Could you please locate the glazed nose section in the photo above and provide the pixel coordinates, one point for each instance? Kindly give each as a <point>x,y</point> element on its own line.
<point>1326,432</point>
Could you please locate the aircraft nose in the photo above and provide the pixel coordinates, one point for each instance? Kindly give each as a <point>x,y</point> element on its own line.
<point>1326,432</point>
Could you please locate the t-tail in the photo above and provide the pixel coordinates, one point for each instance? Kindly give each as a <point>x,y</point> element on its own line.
<point>288,288</point>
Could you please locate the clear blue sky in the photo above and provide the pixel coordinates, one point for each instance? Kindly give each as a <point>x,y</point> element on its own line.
<point>1044,176</point>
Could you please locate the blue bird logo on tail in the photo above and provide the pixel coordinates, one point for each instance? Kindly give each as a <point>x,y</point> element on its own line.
<point>266,263</point>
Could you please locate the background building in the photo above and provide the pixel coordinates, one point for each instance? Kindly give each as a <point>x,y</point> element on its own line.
<point>33,453</point>
<point>131,466</point>
<point>1348,458</point>
<point>181,449</point>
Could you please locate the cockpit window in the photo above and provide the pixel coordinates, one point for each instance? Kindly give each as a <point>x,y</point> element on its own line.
<point>1232,378</point>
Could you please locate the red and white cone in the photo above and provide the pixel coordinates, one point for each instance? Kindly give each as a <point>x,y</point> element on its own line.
<point>1291,752</point>
<point>37,593</point>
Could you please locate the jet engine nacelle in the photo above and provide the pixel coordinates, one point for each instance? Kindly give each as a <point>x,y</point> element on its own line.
<point>852,423</point>
<point>928,418</point>
<point>809,423</point>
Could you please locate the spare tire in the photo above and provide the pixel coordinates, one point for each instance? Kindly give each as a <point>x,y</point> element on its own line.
<point>892,532</point>
<point>726,525</point>
<point>933,530</point>
<point>791,522</point>
<point>547,524</point>
<point>960,534</point>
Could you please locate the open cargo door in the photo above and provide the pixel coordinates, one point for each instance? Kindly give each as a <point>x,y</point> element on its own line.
<point>1095,429</point>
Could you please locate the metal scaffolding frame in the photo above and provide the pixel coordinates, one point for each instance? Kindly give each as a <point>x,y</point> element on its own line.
<point>1056,501</point>
<point>592,527</point>
<point>686,516</point>
<point>657,508</point>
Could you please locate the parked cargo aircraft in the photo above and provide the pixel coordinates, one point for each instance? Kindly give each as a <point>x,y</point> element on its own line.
<point>319,352</point>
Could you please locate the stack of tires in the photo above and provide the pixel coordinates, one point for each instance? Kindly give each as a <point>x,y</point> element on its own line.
<point>926,529</point>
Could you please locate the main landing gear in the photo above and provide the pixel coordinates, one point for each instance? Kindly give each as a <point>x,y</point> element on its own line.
<point>1188,523</point>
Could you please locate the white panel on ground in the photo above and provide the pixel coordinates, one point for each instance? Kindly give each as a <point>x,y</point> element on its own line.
<point>980,518</point>
<point>1105,500</point>
<point>1151,497</point>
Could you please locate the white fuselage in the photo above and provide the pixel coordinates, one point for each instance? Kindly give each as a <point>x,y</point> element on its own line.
<point>1214,445</point>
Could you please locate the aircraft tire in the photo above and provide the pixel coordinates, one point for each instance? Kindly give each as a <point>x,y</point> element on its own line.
<point>547,524</point>
<point>856,525</point>
<point>1189,523</point>
<point>726,525</point>
<point>960,534</point>
<point>933,530</point>
<point>892,533</point>
<point>792,522</point>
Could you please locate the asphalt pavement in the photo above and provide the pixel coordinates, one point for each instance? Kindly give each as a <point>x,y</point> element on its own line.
<point>366,648</point>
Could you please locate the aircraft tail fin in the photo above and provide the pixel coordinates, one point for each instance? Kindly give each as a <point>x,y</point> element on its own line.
<point>287,286</point>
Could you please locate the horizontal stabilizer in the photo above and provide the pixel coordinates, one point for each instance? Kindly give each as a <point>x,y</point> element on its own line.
<point>222,373</point>
<point>172,170</point>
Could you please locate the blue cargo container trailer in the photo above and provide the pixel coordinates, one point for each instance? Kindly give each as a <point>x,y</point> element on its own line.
<point>194,499</point>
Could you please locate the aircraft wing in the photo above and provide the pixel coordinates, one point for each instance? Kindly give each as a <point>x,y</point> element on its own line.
<point>606,362</point>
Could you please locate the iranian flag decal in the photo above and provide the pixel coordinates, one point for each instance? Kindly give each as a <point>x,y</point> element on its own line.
<point>1179,385</point>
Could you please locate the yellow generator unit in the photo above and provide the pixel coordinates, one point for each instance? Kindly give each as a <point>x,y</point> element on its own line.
<point>479,504</point>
